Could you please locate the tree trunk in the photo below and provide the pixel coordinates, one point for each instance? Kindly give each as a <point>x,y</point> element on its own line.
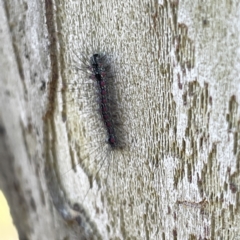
<point>175,92</point>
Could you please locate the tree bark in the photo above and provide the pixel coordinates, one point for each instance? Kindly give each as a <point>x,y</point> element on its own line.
<point>176,91</point>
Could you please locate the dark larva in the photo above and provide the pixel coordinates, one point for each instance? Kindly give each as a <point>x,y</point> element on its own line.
<point>99,69</point>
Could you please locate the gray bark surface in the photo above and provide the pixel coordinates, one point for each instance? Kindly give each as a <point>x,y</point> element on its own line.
<point>176,90</point>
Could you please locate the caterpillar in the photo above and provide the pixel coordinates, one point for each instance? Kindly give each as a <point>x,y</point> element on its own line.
<point>95,93</point>
<point>101,116</point>
<point>99,68</point>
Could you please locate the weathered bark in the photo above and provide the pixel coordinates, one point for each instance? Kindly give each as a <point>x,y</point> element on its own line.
<point>177,84</point>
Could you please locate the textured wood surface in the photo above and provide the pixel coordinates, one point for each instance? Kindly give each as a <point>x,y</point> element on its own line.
<point>177,86</point>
